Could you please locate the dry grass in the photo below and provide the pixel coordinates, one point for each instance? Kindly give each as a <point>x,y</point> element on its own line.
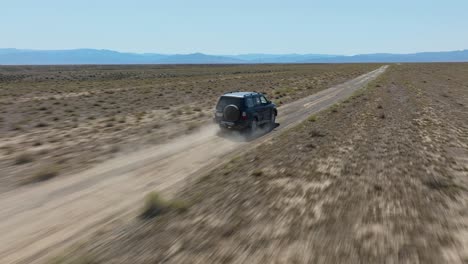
<point>156,205</point>
<point>114,149</point>
<point>74,259</point>
<point>192,126</point>
<point>257,173</point>
<point>316,133</point>
<point>24,158</point>
<point>312,118</point>
<point>45,173</point>
<point>334,108</point>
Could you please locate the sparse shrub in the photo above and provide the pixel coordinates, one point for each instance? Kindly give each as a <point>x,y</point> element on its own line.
<point>257,173</point>
<point>378,188</point>
<point>155,205</point>
<point>16,127</point>
<point>382,116</point>
<point>73,259</point>
<point>192,126</point>
<point>23,158</point>
<point>379,107</point>
<point>312,118</point>
<point>310,146</point>
<point>187,110</point>
<point>45,173</point>
<point>316,133</point>
<point>179,205</point>
<point>334,108</point>
<point>440,184</point>
<point>114,149</point>
<point>42,152</point>
<point>41,124</point>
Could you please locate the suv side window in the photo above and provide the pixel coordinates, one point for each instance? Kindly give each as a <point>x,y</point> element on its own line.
<point>249,102</point>
<point>257,100</point>
<point>263,99</point>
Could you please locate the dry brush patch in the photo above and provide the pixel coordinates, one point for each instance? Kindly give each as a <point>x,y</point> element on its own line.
<point>156,205</point>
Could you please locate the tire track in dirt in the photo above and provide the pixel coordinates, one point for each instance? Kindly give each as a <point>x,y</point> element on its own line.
<point>37,221</point>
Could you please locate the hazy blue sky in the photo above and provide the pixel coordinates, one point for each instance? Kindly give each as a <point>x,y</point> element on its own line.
<point>237,26</point>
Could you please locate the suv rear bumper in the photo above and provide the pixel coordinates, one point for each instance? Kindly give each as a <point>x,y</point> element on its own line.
<point>238,125</point>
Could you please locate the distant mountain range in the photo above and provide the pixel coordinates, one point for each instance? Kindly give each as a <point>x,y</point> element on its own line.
<point>95,56</point>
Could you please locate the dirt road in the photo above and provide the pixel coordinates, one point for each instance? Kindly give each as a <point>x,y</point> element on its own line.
<point>37,221</point>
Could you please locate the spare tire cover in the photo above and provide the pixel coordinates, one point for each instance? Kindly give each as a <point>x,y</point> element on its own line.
<point>231,113</point>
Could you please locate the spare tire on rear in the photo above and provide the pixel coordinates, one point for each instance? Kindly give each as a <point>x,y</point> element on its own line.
<point>231,113</point>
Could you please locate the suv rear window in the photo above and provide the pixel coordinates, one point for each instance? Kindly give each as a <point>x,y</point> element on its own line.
<point>249,101</point>
<point>226,100</point>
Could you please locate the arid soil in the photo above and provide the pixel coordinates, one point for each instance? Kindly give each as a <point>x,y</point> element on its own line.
<point>379,178</point>
<point>66,210</point>
<point>59,120</point>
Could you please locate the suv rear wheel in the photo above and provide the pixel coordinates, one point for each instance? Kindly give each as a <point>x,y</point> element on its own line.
<point>272,120</point>
<point>253,127</point>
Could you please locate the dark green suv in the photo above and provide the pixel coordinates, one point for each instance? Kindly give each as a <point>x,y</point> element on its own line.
<point>245,111</point>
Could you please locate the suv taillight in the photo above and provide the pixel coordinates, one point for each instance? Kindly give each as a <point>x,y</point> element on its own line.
<point>244,116</point>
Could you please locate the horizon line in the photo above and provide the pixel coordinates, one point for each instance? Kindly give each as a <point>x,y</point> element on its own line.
<point>227,54</point>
